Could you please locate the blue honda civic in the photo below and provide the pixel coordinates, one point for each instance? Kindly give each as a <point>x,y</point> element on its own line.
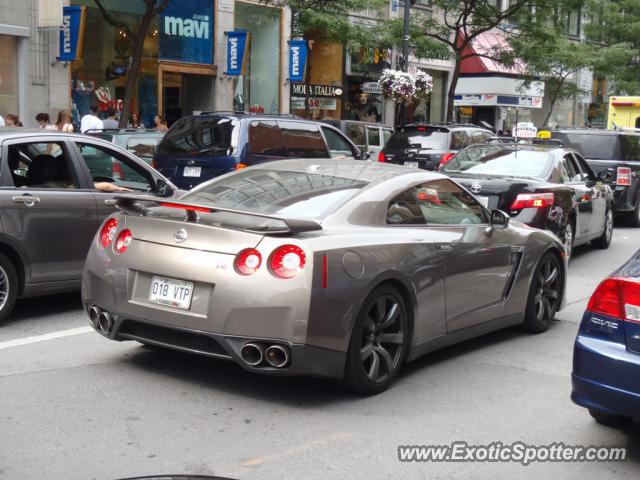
<point>606,356</point>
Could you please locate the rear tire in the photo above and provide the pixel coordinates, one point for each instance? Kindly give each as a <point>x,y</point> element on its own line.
<point>608,419</point>
<point>568,237</point>
<point>633,218</point>
<point>8,287</point>
<point>604,240</point>
<point>544,294</point>
<point>378,342</point>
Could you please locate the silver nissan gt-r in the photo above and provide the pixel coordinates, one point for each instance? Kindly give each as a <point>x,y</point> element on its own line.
<point>333,268</point>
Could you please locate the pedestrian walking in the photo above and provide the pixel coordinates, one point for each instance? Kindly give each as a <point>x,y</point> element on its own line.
<point>91,121</point>
<point>43,121</point>
<point>63,123</point>
<point>160,123</point>
<point>110,122</point>
<point>12,121</point>
<point>135,121</point>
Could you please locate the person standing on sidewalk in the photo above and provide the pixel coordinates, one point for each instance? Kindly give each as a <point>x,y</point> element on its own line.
<point>63,123</point>
<point>91,121</point>
<point>110,122</point>
<point>43,121</point>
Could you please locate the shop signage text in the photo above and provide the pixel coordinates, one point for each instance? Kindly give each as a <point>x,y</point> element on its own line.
<point>314,103</point>
<point>237,52</point>
<point>186,32</point>
<point>297,60</point>
<point>497,100</point>
<point>71,33</point>
<point>300,90</point>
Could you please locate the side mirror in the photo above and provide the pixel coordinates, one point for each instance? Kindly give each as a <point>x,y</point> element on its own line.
<point>163,189</point>
<point>499,220</point>
<point>605,176</point>
<point>363,155</point>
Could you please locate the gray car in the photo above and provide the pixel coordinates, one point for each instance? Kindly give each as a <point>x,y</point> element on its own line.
<point>50,207</point>
<point>329,268</point>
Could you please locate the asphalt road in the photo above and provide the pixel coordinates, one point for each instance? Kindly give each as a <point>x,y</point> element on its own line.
<point>81,407</point>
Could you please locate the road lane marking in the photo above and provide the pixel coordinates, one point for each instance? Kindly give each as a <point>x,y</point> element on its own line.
<point>43,338</point>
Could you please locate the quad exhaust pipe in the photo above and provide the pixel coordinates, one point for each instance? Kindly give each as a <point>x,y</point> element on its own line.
<point>252,354</point>
<point>277,356</point>
<point>100,319</point>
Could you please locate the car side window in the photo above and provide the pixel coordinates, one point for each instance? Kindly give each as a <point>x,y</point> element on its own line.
<point>41,165</point>
<point>373,135</point>
<point>587,173</point>
<point>338,145</point>
<point>572,169</point>
<point>265,139</point>
<point>438,202</point>
<point>458,140</point>
<point>303,140</point>
<point>357,134</point>
<point>477,138</point>
<point>386,135</point>
<point>107,166</point>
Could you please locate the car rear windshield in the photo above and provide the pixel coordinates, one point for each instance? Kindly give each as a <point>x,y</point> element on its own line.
<point>593,145</point>
<point>199,135</point>
<point>144,147</point>
<point>501,161</point>
<point>434,139</point>
<point>291,194</point>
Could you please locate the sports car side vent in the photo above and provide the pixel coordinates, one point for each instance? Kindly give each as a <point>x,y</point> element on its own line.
<point>514,266</point>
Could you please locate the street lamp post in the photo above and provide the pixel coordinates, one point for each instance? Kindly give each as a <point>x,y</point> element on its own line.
<point>406,37</point>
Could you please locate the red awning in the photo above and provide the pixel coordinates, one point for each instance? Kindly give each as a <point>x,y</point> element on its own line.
<point>486,44</point>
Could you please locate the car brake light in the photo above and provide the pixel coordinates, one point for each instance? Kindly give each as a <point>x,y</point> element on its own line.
<point>123,241</point>
<point>623,176</point>
<point>240,166</point>
<point>248,261</point>
<point>421,129</point>
<point>108,232</point>
<point>189,208</point>
<point>444,159</point>
<point>382,157</point>
<point>116,170</point>
<point>533,200</point>
<point>287,261</point>
<point>617,298</point>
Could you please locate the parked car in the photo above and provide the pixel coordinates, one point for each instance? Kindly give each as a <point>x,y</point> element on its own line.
<point>202,147</point>
<point>544,186</point>
<point>331,268</point>
<point>606,355</point>
<point>431,146</point>
<point>616,152</point>
<point>51,209</point>
<point>368,137</point>
<point>142,143</point>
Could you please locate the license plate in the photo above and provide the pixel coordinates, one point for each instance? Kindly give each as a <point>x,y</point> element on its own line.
<point>411,164</point>
<point>192,171</point>
<point>171,292</point>
<point>484,201</point>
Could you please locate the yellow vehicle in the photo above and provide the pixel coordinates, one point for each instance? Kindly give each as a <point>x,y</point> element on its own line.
<point>624,112</point>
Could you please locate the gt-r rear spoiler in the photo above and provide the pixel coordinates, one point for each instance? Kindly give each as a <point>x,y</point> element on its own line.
<point>139,205</point>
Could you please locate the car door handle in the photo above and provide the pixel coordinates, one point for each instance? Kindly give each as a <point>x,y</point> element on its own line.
<point>111,202</point>
<point>27,200</point>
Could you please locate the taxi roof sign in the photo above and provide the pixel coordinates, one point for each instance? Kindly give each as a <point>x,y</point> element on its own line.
<point>525,130</point>
<point>546,134</point>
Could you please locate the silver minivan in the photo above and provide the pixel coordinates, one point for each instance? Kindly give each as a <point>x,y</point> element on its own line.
<point>369,137</point>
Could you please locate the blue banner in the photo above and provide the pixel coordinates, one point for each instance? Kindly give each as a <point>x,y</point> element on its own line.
<point>71,33</point>
<point>186,31</point>
<point>237,52</point>
<point>298,52</point>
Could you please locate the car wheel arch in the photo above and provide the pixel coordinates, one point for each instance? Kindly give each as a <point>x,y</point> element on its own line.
<point>18,263</point>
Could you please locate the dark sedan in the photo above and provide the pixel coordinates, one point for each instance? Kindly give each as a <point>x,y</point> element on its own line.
<point>547,187</point>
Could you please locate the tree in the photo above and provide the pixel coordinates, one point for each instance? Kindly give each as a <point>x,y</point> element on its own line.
<point>136,36</point>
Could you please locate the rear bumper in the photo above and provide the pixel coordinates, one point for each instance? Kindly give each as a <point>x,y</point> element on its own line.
<point>606,377</point>
<point>305,360</point>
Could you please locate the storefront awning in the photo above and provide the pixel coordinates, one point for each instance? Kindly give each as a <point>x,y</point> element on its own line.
<point>481,49</point>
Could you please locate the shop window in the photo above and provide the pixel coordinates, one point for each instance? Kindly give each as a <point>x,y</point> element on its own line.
<point>265,139</point>
<point>9,75</point>
<point>357,134</point>
<point>573,23</point>
<point>373,135</point>
<point>303,140</point>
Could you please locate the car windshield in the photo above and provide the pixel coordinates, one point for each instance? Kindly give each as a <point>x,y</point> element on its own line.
<point>594,146</point>
<point>419,138</point>
<point>499,160</point>
<point>291,194</point>
<point>196,135</point>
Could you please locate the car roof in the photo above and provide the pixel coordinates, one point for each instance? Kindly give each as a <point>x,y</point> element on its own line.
<point>333,121</point>
<point>370,172</point>
<point>20,132</point>
<point>527,147</point>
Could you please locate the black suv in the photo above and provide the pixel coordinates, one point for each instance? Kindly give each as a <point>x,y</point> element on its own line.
<point>201,147</point>
<point>616,152</point>
<point>431,146</point>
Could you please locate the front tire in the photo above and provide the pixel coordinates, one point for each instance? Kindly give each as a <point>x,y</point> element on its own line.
<point>8,287</point>
<point>604,240</point>
<point>608,419</point>
<point>567,239</point>
<point>378,342</point>
<point>544,294</point>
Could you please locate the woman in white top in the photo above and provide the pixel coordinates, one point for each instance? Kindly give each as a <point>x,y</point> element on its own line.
<point>63,123</point>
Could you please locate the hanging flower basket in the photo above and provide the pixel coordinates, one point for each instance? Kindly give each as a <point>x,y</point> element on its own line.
<point>402,87</point>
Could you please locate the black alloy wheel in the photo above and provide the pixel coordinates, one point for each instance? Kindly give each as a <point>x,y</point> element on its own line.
<point>378,342</point>
<point>544,294</point>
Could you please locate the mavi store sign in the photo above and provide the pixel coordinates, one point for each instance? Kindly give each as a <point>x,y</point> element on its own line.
<point>186,31</point>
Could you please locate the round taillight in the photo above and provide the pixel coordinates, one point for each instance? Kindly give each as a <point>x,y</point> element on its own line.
<point>108,232</point>
<point>123,241</point>
<point>287,261</point>
<point>248,261</point>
